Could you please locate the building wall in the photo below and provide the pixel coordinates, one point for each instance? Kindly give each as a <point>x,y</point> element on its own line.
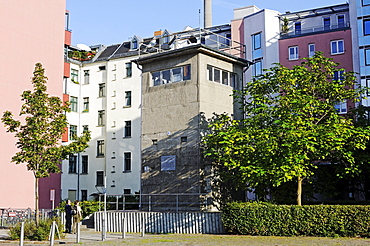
<point>117,83</point>
<point>33,31</point>
<point>173,111</point>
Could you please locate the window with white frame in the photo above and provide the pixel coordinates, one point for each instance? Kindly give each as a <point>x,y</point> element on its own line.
<point>340,21</point>
<point>341,107</point>
<point>85,164</point>
<point>257,68</point>
<point>220,76</point>
<point>311,50</point>
<point>256,41</point>
<point>297,28</point>
<point>86,77</point>
<point>72,132</point>
<point>100,149</point>
<point>101,117</point>
<point>293,53</point>
<point>74,104</point>
<point>338,75</point>
<point>326,21</point>
<point>86,105</point>
<point>337,47</point>
<point>100,178</point>
<point>127,130</point>
<point>102,90</point>
<point>127,98</point>
<point>127,161</point>
<point>128,69</point>
<point>72,168</point>
<point>74,75</point>
<point>171,75</point>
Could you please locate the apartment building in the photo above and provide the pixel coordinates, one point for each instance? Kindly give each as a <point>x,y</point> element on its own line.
<point>21,37</point>
<point>324,29</point>
<point>259,30</point>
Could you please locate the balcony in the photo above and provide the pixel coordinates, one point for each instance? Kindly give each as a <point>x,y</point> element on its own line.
<point>67,37</point>
<point>313,30</point>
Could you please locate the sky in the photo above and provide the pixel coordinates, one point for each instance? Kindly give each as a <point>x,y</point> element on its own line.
<point>114,21</point>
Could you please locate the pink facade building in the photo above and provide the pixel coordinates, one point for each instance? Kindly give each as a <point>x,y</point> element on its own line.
<point>324,29</point>
<point>33,31</point>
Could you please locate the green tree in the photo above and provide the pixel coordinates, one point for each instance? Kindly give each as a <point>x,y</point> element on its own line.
<point>39,137</point>
<point>291,126</point>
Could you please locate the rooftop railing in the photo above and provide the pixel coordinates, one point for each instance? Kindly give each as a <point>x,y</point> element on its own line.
<point>312,30</point>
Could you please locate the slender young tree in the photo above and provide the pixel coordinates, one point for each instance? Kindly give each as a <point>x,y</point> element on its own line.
<point>39,137</point>
<point>291,126</point>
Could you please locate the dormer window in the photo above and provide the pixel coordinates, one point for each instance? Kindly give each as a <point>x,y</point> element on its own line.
<point>166,37</point>
<point>134,44</point>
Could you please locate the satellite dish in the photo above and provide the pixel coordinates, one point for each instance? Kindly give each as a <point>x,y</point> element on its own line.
<point>83,47</point>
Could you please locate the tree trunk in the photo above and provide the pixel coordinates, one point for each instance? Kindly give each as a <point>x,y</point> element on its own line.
<point>37,200</point>
<point>299,191</point>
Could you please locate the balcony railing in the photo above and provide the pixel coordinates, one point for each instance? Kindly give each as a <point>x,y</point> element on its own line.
<point>318,29</point>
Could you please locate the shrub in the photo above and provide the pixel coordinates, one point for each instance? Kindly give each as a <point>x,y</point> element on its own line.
<point>290,220</point>
<point>33,232</point>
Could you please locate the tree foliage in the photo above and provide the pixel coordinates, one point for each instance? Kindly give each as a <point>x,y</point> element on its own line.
<point>291,126</point>
<point>39,131</point>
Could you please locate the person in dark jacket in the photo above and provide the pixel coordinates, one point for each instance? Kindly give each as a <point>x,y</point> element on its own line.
<point>68,209</point>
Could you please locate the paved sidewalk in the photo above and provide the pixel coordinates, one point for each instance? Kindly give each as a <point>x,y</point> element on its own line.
<point>88,236</point>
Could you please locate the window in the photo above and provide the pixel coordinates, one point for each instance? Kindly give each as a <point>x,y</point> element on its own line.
<point>127,98</point>
<point>127,129</point>
<point>83,195</point>
<point>257,68</point>
<point>367,57</point>
<point>74,104</point>
<point>340,19</point>
<point>102,90</point>
<point>337,47</point>
<point>368,86</point>
<point>74,75</point>
<point>86,77</point>
<point>101,68</point>
<point>326,21</point>
<point>99,178</point>
<point>297,28</point>
<point>256,41</point>
<point>127,161</point>
<point>101,117</point>
<point>113,184</point>
<point>113,155</point>
<point>171,75</point>
<point>72,132</point>
<point>100,148</point>
<point>128,69</point>
<point>365,2</point>
<point>72,164</point>
<point>86,105</point>
<point>367,27</point>
<point>338,76</point>
<point>113,169</point>
<point>127,191</point>
<point>220,76</point>
<point>85,164</point>
<point>168,163</point>
<point>134,44</point>
<point>293,53</point>
<point>341,107</point>
<point>311,50</point>
<point>184,139</point>
<point>85,128</point>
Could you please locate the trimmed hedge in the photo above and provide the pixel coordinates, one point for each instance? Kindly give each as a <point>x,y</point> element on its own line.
<point>291,220</point>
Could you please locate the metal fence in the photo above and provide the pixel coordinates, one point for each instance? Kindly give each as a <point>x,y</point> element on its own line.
<point>10,216</point>
<point>170,202</point>
<point>161,222</point>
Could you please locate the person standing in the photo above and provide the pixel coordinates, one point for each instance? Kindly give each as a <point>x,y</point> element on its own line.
<point>77,215</point>
<point>68,210</point>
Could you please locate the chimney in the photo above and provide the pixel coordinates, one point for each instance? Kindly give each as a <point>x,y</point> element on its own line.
<point>207,13</point>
